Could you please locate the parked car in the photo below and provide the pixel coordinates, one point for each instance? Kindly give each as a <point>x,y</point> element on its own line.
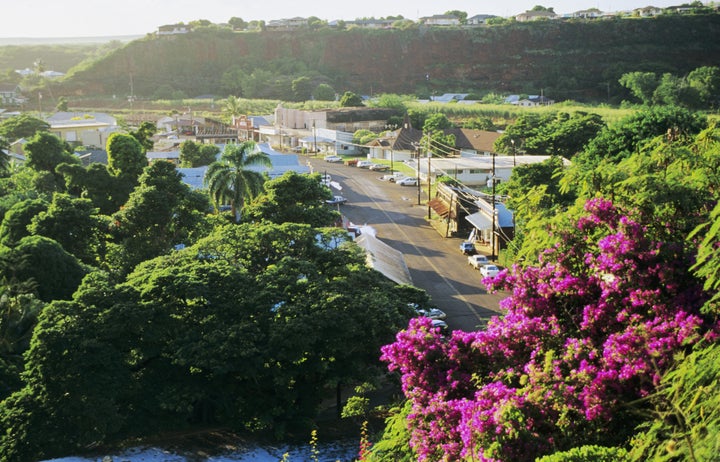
<point>489,270</point>
<point>467,247</point>
<point>407,181</point>
<point>478,261</point>
<point>379,167</point>
<point>351,162</point>
<point>432,313</point>
<point>392,177</point>
<point>332,158</point>
<point>442,325</point>
<point>336,200</point>
<point>364,163</point>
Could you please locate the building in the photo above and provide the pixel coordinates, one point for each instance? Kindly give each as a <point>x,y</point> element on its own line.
<point>535,16</point>
<point>83,128</point>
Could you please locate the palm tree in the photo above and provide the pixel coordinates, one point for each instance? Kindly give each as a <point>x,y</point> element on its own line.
<point>230,181</point>
<point>233,106</point>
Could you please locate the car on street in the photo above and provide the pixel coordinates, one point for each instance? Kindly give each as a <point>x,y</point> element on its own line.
<point>333,158</point>
<point>478,261</point>
<point>364,164</point>
<point>351,162</point>
<point>392,177</point>
<point>489,271</point>
<point>432,313</point>
<point>336,200</point>
<point>407,181</point>
<point>442,325</point>
<point>379,167</point>
<point>467,247</point>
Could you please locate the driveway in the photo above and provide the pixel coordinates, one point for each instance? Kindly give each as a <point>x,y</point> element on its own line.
<point>435,262</point>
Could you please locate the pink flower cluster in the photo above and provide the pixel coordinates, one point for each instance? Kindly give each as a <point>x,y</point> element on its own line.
<point>588,330</point>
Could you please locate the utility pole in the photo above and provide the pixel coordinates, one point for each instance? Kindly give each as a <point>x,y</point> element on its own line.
<point>429,156</point>
<point>492,237</point>
<point>314,139</point>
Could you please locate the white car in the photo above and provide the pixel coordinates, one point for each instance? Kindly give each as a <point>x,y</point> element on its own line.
<point>379,167</point>
<point>392,177</point>
<point>407,181</point>
<point>432,313</point>
<point>478,261</point>
<point>364,164</point>
<point>333,159</point>
<point>489,271</point>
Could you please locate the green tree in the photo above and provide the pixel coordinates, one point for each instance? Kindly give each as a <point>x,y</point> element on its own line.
<point>62,104</point>
<point>55,272</point>
<point>350,99</point>
<point>107,192</point>
<point>45,151</point>
<point>193,154</point>
<point>237,23</point>
<point>17,219</point>
<point>126,156</point>
<point>74,224</point>
<point>641,84</point>
<point>231,181</point>
<point>675,91</point>
<point>479,123</point>
<point>324,92</point>
<point>144,134</point>
<point>436,140</point>
<point>302,88</point>
<point>22,126</point>
<point>293,198</point>
<point>161,212</point>
<point>461,15</point>
<point>706,82</point>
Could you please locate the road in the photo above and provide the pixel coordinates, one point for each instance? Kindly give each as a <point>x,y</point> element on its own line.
<point>435,262</point>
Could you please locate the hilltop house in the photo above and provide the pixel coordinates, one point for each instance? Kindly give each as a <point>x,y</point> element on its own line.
<point>173,29</point>
<point>479,19</point>
<point>440,20</point>
<point>535,16</point>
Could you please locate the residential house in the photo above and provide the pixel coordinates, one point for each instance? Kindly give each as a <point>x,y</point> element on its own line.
<point>398,145</point>
<point>173,29</point>
<point>470,143</point>
<point>440,20</point>
<point>10,94</point>
<point>535,16</point>
<point>648,11</point>
<point>82,128</point>
<point>592,13</point>
<point>479,19</point>
<point>371,23</point>
<point>535,100</point>
<point>286,24</point>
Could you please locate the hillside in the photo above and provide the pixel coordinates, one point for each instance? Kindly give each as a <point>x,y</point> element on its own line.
<point>565,60</point>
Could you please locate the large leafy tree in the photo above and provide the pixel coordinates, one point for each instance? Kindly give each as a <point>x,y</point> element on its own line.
<point>45,152</point>
<point>350,99</point>
<point>55,272</point>
<point>232,181</point>
<point>144,134</point>
<point>106,191</point>
<point>75,224</point>
<point>293,198</point>
<point>161,213</point>
<point>22,126</point>
<point>126,156</point>
<point>18,218</point>
<point>194,154</point>
<point>247,328</point>
<point>641,84</point>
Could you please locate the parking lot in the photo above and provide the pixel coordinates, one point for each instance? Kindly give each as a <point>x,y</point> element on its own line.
<point>436,263</point>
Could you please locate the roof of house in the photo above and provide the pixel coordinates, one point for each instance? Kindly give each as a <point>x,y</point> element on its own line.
<point>80,119</point>
<point>93,156</point>
<point>478,140</point>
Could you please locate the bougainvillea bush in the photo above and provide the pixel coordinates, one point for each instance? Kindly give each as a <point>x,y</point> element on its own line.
<point>587,334</point>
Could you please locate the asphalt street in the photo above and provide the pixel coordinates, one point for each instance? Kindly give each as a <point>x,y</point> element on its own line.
<point>435,262</point>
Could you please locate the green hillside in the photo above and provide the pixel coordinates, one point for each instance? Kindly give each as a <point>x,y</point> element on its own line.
<point>579,60</point>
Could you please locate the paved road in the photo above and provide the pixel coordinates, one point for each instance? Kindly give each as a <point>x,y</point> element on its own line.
<point>435,262</point>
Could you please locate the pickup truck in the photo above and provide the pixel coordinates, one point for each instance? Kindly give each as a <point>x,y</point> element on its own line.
<point>477,261</point>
